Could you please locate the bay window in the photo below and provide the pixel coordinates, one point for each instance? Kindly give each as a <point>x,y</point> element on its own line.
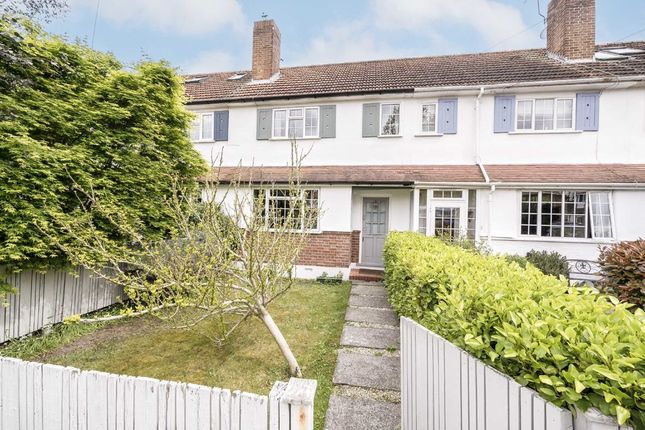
<point>568,214</point>
<point>296,122</point>
<point>544,114</point>
<point>293,209</point>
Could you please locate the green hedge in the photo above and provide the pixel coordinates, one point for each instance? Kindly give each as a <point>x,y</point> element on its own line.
<point>572,345</point>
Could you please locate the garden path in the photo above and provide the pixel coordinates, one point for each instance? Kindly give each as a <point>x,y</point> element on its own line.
<point>367,377</point>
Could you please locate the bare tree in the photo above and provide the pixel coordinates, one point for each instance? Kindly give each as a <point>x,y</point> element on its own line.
<point>230,253</point>
<point>44,9</point>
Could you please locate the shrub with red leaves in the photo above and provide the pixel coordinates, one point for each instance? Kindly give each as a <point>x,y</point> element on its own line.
<point>623,271</point>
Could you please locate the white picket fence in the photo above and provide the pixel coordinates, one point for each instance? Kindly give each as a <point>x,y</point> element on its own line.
<point>36,396</point>
<point>42,299</point>
<point>444,387</point>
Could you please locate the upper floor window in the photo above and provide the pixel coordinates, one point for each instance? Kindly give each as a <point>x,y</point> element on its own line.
<point>202,127</point>
<point>575,214</point>
<point>544,114</point>
<point>296,122</point>
<point>429,118</point>
<point>390,119</point>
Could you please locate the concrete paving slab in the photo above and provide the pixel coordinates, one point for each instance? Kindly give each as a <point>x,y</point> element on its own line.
<point>369,290</point>
<point>345,413</point>
<point>369,302</point>
<point>372,316</point>
<point>370,337</point>
<point>369,371</point>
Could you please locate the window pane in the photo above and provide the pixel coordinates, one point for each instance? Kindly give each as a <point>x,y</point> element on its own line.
<point>207,126</point>
<point>423,207</point>
<point>575,214</point>
<point>529,215</point>
<point>280,123</point>
<point>295,127</point>
<point>311,214</point>
<point>551,214</point>
<point>544,114</point>
<point>295,113</point>
<point>565,114</point>
<point>472,214</point>
<point>600,214</point>
<point>311,122</point>
<point>429,118</point>
<point>446,223</point>
<point>390,119</point>
<point>195,127</point>
<point>525,115</point>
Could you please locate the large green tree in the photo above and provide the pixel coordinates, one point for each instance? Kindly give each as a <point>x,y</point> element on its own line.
<point>72,118</point>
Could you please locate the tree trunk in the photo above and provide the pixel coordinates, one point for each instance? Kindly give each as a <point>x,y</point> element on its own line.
<point>294,368</point>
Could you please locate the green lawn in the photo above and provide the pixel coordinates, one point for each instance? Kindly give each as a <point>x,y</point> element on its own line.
<point>310,316</point>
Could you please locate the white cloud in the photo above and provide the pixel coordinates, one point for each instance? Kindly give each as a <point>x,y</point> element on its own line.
<point>211,61</point>
<point>176,16</point>
<point>348,41</point>
<point>492,20</point>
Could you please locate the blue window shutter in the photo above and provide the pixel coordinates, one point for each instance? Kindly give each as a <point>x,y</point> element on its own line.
<point>328,121</point>
<point>265,119</point>
<point>221,125</point>
<point>504,114</point>
<point>370,119</point>
<point>587,107</point>
<point>447,116</point>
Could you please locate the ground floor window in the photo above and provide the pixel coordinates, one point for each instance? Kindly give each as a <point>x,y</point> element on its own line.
<point>575,214</point>
<point>423,211</point>
<point>294,209</point>
<point>446,222</point>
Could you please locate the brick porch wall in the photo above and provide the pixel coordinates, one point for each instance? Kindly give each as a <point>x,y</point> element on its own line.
<point>330,249</point>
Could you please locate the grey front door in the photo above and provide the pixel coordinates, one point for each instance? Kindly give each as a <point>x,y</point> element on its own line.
<point>374,230</point>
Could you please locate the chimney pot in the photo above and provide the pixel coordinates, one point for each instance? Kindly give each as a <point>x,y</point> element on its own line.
<point>571,29</point>
<point>266,50</point>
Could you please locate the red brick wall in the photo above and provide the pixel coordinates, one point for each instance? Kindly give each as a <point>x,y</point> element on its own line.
<point>266,49</point>
<point>571,28</point>
<point>330,249</point>
<point>356,246</point>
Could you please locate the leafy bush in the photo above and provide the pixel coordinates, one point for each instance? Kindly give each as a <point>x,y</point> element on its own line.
<point>623,271</point>
<point>514,258</point>
<point>549,263</point>
<point>572,345</point>
<point>73,117</point>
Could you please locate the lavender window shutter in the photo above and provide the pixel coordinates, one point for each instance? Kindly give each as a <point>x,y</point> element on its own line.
<point>447,116</point>
<point>587,108</point>
<point>504,114</point>
<point>221,125</point>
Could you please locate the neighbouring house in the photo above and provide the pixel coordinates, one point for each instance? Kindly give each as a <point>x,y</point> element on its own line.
<point>525,149</point>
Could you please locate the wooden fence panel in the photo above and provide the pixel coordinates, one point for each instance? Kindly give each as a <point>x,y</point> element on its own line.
<point>42,299</point>
<point>35,396</point>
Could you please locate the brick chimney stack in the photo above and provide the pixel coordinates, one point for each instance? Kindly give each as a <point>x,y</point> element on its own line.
<point>571,29</point>
<point>266,50</point>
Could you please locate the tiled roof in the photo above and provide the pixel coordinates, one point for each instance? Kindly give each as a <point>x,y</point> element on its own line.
<point>568,173</point>
<point>457,174</point>
<point>401,75</point>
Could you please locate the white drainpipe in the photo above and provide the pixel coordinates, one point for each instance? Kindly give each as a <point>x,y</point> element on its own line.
<point>480,164</point>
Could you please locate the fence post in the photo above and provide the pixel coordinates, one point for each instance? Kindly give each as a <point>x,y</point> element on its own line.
<point>291,405</point>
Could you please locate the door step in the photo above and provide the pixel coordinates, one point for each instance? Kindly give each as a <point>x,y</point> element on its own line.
<point>362,274</point>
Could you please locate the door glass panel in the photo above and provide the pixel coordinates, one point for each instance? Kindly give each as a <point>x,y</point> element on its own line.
<point>446,223</point>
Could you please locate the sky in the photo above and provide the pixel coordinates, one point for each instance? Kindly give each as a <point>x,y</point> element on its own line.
<point>199,36</point>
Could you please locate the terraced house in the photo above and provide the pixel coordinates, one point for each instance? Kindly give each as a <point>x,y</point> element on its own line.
<point>526,149</point>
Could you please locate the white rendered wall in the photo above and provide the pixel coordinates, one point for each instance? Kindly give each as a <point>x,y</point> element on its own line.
<point>619,140</point>
<point>398,207</point>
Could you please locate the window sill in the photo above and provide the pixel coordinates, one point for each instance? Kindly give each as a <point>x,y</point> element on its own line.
<point>557,239</point>
<point>389,136</point>
<point>208,141</point>
<point>288,139</point>
<point>428,135</point>
<point>545,132</point>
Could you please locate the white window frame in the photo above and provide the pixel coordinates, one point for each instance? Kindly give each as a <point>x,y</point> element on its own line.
<point>555,114</point>
<point>589,225</point>
<point>199,118</point>
<point>268,197</point>
<point>380,118</point>
<point>436,117</point>
<point>287,110</point>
